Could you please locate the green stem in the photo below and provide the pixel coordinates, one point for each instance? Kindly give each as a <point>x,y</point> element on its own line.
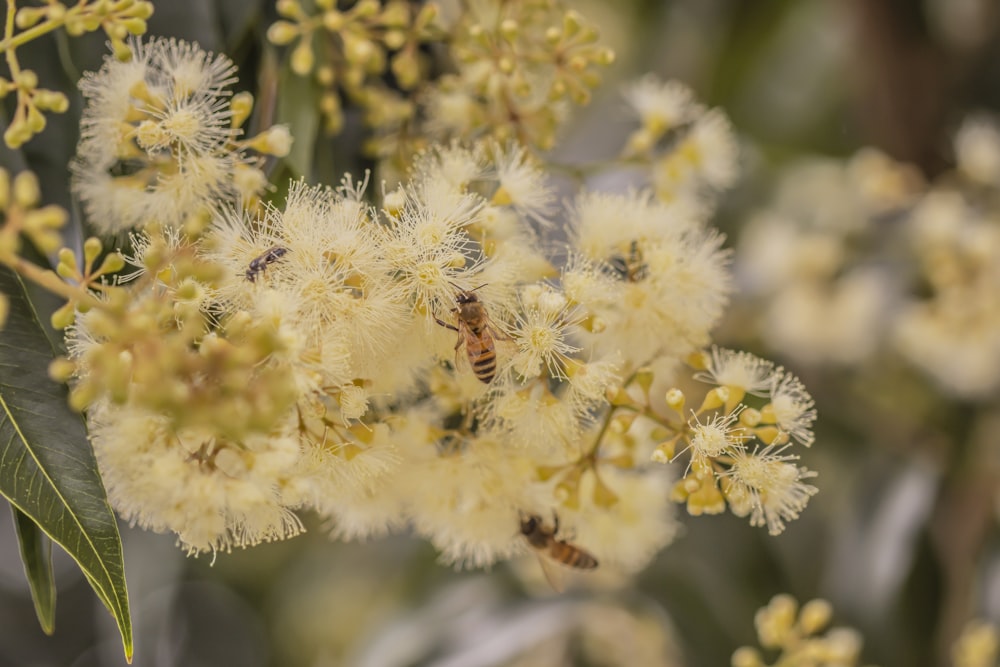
<point>49,280</point>
<point>10,42</point>
<point>646,411</point>
<point>8,31</point>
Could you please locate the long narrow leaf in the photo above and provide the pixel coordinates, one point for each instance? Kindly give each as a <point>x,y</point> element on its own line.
<point>47,468</point>
<point>298,101</point>
<point>36,554</point>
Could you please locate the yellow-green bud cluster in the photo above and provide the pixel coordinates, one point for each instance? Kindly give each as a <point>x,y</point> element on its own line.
<point>153,347</point>
<point>19,203</point>
<point>797,635</point>
<point>118,19</point>
<point>355,48</point>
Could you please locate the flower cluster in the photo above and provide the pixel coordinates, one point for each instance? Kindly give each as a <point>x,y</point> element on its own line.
<point>160,139</point>
<point>691,149</point>
<point>507,69</point>
<point>797,635</point>
<point>118,20</point>
<point>433,359</point>
<point>738,441</point>
<point>829,277</point>
<point>949,327</point>
<point>821,303</point>
<point>22,216</point>
<point>977,646</point>
<point>351,49</point>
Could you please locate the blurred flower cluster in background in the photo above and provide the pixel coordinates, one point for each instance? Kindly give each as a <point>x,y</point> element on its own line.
<point>849,154</point>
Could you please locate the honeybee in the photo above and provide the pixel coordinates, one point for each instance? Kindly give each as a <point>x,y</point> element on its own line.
<point>259,264</point>
<point>476,332</point>
<point>550,548</point>
<point>632,268</point>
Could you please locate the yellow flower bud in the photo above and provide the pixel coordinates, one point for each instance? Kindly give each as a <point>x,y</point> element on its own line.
<point>43,220</point>
<point>143,9</point>
<point>815,616</point>
<point>302,58</point>
<point>746,656</point>
<point>121,50</point>
<point>699,360</point>
<point>134,26</point>
<point>240,108</point>
<point>775,621</point>
<point>750,417</point>
<point>714,399</point>
<point>706,500</point>
<point>675,399</point>
<point>767,434</point>
<point>75,26</point>
<point>112,264</point>
<point>91,249</point>
<point>36,120</point>
<point>572,22</point>
<point>27,79</point>
<point>26,190</point>
<point>17,132</point>
<point>61,369</point>
<point>290,8</point>
<point>67,267</point>
<point>26,17</point>
<point>83,395</point>
<point>52,100</point>
<point>509,30</point>
<point>281,33</point>
<point>275,140</point>
<point>64,316</point>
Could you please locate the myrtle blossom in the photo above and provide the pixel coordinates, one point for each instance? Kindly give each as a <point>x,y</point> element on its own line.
<point>314,354</point>
<point>160,139</point>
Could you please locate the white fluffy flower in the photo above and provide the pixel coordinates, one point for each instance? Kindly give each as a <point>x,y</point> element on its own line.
<point>769,486</point>
<point>154,136</point>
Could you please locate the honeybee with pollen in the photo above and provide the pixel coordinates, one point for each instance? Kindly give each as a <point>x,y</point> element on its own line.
<point>476,332</point>
<point>259,264</point>
<point>550,548</point>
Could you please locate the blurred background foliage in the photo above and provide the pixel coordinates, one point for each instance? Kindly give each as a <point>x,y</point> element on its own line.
<point>902,538</point>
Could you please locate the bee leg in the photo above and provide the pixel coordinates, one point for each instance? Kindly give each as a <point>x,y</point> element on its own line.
<point>446,325</point>
<point>555,524</point>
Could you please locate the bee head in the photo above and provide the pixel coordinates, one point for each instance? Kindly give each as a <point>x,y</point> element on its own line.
<point>465,297</point>
<point>529,523</point>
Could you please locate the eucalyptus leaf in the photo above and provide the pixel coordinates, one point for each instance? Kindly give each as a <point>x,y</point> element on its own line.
<point>298,106</point>
<point>47,467</point>
<point>36,554</point>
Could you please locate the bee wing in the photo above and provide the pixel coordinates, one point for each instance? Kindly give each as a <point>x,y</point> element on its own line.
<point>498,333</point>
<point>461,348</point>
<point>554,574</point>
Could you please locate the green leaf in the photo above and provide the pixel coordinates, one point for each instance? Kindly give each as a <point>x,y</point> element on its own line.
<point>298,106</point>
<point>36,554</point>
<point>47,467</point>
